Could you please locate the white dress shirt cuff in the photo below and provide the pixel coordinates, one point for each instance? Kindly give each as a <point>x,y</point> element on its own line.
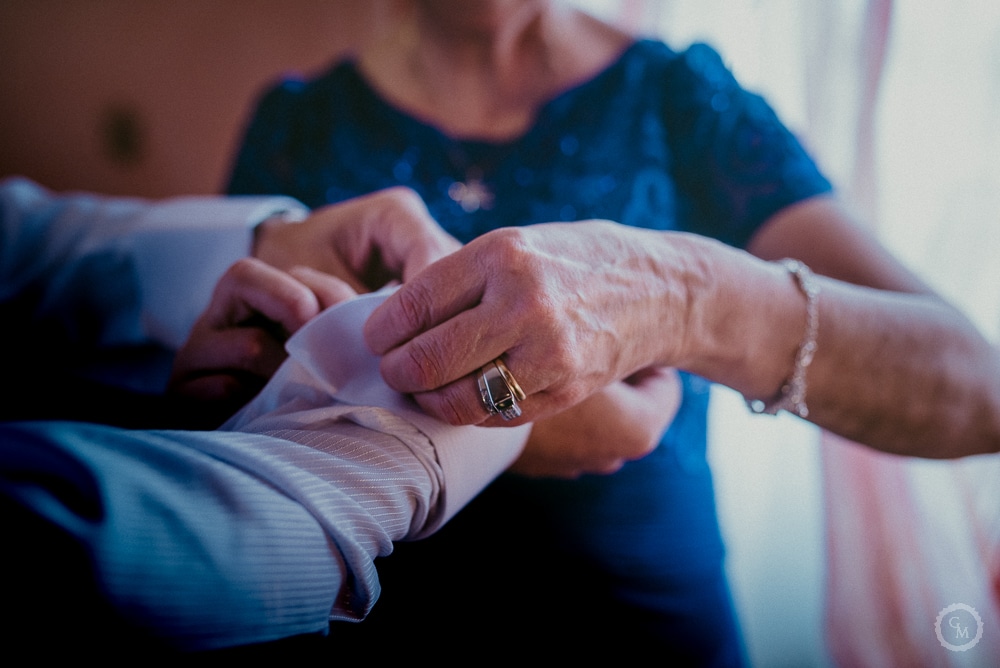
<point>330,366</point>
<point>184,245</point>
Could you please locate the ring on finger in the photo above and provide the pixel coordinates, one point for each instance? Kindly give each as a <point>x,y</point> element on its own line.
<point>496,394</point>
<point>508,378</point>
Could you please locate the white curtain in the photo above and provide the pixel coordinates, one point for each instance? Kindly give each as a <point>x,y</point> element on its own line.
<point>840,556</point>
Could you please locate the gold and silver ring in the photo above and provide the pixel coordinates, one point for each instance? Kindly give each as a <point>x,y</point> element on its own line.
<point>499,391</point>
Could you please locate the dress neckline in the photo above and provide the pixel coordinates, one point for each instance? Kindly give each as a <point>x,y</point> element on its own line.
<point>560,99</point>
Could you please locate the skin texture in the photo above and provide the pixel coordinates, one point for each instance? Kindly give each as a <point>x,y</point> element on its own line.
<point>897,367</point>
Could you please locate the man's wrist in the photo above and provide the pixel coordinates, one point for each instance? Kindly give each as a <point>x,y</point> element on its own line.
<point>265,228</point>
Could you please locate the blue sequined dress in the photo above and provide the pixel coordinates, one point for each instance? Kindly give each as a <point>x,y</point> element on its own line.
<point>660,139</point>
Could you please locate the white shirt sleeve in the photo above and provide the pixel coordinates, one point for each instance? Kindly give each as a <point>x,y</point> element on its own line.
<point>183,246</point>
<point>137,271</point>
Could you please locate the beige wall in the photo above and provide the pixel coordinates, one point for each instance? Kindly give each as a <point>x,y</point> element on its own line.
<point>184,73</point>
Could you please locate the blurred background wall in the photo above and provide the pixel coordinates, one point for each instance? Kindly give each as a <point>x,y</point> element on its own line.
<point>149,98</point>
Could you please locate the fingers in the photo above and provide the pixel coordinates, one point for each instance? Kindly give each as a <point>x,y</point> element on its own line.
<point>459,403</point>
<point>367,241</point>
<point>238,342</point>
<point>254,289</point>
<point>568,306</point>
<point>455,351</point>
<point>329,290</point>
<point>404,237</point>
<point>448,300</point>
<point>491,298</point>
<point>467,298</point>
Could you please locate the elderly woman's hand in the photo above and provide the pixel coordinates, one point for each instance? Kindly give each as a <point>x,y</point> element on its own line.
<point>622,422</point>
<point>571,308</point>
<point>367,241</point>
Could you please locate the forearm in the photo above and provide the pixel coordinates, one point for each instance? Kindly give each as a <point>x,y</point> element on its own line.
<point>193,537</point>
<point>133,270</point>
<point>214,539</point>
<point>589,303</point>
<point>904,373</point>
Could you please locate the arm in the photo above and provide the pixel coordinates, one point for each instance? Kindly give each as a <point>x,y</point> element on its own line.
<point>207,540</point>
<point>120,271</point>
<point>271,526</point>
<point>901,372</point>
<point>104,271</point>
<point>902,369</point>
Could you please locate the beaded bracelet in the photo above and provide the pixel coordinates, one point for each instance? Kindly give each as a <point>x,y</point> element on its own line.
<point>792,396</point>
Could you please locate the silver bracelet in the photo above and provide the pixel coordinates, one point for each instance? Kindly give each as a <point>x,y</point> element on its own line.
<point>792,396</point>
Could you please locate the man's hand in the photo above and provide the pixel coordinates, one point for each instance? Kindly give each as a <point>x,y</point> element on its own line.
<point>238,342</point>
